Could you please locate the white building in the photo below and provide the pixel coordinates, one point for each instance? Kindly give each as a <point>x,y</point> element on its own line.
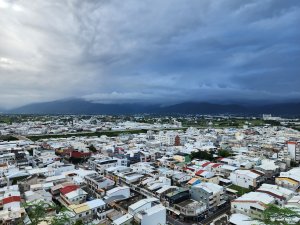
<point>148,212</point>
<point>246,178</point>
<point>293,149</point>
<point>290,179</point>
<point>88,211</point>
<point>251,204</point>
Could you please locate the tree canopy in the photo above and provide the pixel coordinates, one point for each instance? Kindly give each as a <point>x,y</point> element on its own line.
<point>275,215</point>
<point>38,212</point>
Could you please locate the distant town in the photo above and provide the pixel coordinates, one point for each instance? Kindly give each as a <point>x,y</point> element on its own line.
<point>143,169</point>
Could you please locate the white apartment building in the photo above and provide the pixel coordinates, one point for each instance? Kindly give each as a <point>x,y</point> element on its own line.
<point>293,149</point>
<point>246,178</point>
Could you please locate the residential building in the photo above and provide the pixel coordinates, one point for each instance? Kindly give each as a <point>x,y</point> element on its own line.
<point>209,193</point>
<point>247,178</point>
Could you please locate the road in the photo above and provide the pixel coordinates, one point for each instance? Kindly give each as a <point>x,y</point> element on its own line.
<point>173,221</point>
<point>20,137</point>
<point>216,214</point>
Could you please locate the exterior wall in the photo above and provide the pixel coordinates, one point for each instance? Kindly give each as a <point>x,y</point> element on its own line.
<point>179,158</point>
<point>143,207</point>
<point>76,200</point>
<point>252,209</point>
<point>292,149</point>
<point>124,192</point>
<point>242,180</point>
<point>90,214</point>
<point>211,200</point>
<point>199,194</point>
<point>60,170</point>
<point>286,183</point>
<point>156,218</point>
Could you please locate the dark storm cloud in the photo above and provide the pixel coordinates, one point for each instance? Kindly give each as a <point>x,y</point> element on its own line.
<point>149,51</point>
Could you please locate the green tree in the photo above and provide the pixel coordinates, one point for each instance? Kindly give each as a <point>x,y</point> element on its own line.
<point>38,211</point>
<point>275,215</point>
<point>224,153</point>
<point>202,155</point>
<point>79,222</point>
<point>92,148</point>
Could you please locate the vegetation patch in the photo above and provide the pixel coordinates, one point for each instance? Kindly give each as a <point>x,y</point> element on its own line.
<point>239,189</point>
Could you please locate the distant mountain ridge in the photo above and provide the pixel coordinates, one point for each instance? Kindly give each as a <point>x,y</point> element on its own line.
<point>78,106</point>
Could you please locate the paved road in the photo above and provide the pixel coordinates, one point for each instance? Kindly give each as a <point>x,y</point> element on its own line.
<point>173,221</point>
<point>215,215</point>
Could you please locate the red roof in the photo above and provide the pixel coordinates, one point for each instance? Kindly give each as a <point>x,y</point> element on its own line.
<point>205,164</point>
<point>76,154</point>
<point>68,189</point>
<point>216,165</point>
<point>199,172</point>
<point>11,199</point>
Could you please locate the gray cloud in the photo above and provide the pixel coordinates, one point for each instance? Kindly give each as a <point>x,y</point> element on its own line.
<point>149,51</point>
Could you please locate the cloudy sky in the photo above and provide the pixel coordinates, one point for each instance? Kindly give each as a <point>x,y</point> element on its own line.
<point>158,51</point>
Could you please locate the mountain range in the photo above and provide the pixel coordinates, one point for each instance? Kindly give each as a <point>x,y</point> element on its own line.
<point>78,106</point>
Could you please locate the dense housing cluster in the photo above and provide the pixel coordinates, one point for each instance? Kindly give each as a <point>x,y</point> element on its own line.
<point>167,173</point>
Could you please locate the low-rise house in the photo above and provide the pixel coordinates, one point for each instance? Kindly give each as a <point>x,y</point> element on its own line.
<point>182,157</point>
<point>247,178</point>
<point>207,176</point>
<point>238,219</point>
<point>72,194</point>
<point>156,184</point>
<point>60,168</point>
<point>281,195</point>
<point>294,202</point>
<point>290,179</point>
<point>269,168</point>
<point>252,204</point>
<point>97,183</point>
<point>181,177</point>
<point>56,179</point>
<point>194,181</point>
<point>226,170</point>
<point>165,190</point>
<point>191,209</point>
<point>177,196</point>
<point>38,195</point>
<point>100,165</point>
<point>148,212</point>
<point>117,193</point>
<point>142,168</point>
<point>126,219</point>
<point>131,177</point>
<point>209,193</point>
<point>88,211</point>
<point>153,215</point>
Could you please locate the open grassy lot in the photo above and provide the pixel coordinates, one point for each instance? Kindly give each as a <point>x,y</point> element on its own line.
<point>239,189</point>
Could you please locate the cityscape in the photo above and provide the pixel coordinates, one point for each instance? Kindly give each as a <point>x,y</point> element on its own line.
<point>148,169</point>
<point>149,112</point>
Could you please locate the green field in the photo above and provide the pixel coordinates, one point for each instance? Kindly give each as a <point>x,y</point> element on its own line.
<point>239,189</point>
